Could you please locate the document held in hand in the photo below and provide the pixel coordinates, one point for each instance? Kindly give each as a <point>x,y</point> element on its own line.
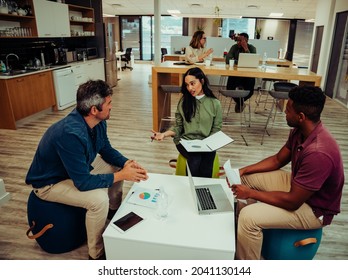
<point>209,144</point>
<point>231,174</point>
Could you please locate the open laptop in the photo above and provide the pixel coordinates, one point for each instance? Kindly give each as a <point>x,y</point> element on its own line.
<point>248,60</point>
<point>210,199</point>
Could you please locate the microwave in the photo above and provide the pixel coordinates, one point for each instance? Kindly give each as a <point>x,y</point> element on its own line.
<point>89,52</point>
<point>92,53</point>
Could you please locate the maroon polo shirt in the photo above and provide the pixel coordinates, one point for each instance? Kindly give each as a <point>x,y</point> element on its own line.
<point>317,166</point>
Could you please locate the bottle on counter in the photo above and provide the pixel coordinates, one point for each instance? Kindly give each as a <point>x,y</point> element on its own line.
<point>264,60</point>
<point>162,204</point>
<point>2,67</point>
<point>43,60</point>
<point>225,52</point>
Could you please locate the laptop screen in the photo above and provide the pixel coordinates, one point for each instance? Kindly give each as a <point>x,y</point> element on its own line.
<point>249,60</point>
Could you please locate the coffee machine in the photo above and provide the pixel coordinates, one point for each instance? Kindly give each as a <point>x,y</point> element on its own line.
<point>59,55</point>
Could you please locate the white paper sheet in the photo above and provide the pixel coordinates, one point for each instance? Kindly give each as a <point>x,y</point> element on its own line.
<point>211,143</point>
<point>144,197</point>
<point>233,176</point>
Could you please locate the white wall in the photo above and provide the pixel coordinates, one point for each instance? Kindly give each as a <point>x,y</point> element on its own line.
<point>219,44</point>
<point>326,16</point>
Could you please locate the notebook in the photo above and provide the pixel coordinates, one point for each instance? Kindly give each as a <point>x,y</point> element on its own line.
<point>248,60</point>
<point>211,143</point>
<point>209,199</point>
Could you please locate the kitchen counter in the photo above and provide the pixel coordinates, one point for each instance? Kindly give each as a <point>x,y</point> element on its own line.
<point>25,94</point>
<point>31,72</point>
<point>49,68</point>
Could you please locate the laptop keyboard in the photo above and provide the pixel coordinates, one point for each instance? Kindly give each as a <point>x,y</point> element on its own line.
<point>205,199</point>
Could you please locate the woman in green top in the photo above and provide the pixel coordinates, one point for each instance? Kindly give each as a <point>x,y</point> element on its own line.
<point>198,116</point>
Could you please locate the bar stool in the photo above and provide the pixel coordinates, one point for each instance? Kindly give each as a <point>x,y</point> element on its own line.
<point>241,94</point>
<point>265,86</point>
<point>280,92</point>
<point>167,90</point>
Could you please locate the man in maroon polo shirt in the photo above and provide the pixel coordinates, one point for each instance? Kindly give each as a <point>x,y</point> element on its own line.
<point>306,198</point>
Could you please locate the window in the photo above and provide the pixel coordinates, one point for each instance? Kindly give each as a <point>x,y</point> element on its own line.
<point>239,25</point>
<point>303,41</point>
<point>134,28</point>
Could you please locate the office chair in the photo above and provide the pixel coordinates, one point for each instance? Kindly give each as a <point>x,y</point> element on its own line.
<point>126,58</point>
<point>163,52</point>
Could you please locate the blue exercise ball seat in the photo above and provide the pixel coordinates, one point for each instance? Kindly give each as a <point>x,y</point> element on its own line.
<point>57,228</point>
<point>290,244</point>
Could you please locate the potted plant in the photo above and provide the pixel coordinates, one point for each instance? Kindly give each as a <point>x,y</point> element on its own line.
<point>258,32</point>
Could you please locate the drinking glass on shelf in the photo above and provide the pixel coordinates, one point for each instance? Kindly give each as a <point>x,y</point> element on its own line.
<point>3,7</point>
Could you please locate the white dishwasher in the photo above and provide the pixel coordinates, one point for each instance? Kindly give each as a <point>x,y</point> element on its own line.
<point>64,85</point>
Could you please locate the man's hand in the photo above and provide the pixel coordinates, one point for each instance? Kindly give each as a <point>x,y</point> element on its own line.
<point>240,191</point>
<point>131,171</point>
<point>244,44</point>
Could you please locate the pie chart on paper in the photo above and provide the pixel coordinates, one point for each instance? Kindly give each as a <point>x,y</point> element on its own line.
<point>144,195</point>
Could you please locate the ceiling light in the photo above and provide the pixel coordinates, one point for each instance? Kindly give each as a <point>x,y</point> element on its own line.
<point>173,12</point>
<point>276,14</point>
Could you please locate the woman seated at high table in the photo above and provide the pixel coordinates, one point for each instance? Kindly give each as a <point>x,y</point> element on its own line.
<point>196,51</point>
<point>198,115</point>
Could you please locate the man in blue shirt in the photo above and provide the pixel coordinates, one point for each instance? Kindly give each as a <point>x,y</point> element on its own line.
<point>76,165</point>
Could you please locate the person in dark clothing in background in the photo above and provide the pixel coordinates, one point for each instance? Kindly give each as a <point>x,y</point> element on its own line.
<point>246,83</point>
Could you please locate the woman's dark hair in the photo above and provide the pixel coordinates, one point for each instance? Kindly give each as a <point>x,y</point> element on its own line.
<point>309,100</point>
<point>196,39</point>
<point>92,93</point>
<point>189,103</point>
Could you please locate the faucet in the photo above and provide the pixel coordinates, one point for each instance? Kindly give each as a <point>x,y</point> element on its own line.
<point>10,54</point>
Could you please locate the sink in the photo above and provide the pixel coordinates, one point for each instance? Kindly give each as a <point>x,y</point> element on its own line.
<point>16,72</point>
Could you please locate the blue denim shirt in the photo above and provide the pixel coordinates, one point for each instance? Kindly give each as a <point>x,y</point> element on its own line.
<point>67,150</point>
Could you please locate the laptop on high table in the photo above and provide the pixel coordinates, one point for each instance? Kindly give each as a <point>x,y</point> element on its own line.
<point>248,60</point>
<point>209,199</point>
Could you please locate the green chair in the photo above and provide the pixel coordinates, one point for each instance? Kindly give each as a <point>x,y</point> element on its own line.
<point>181,166</point>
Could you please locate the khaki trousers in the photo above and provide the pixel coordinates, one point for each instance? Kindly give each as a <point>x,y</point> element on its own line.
<point>257,216</point>
<point>97,203</point>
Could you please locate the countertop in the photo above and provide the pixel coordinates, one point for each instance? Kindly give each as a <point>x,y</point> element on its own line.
<point>50,68</point>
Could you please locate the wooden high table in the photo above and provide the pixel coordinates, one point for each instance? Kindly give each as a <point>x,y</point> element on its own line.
<point>270,60</point>
<point>161,75</point>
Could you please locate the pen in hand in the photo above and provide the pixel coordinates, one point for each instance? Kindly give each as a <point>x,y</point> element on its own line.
<point>153,137</point>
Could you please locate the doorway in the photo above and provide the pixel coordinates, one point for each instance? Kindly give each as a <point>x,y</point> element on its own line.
<point>337,80</point>
<point>130,34</point>
<point>317,44</point>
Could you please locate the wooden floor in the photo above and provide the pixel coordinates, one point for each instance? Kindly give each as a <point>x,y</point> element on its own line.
<point>129,131</point>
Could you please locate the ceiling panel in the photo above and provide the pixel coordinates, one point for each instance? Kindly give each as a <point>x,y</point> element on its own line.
<point>292,9</point>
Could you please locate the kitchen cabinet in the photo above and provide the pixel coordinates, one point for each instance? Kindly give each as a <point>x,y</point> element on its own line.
<point>23,96</point>
<point>19,26</point>
<point>90,69</point>
<point>94,69</point>
<point>79,74</point>
<point>52,19</point>
<point>81,21</point>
